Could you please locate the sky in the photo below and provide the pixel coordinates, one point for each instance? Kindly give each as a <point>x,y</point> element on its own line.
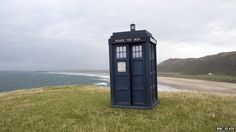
<point>73,34</point>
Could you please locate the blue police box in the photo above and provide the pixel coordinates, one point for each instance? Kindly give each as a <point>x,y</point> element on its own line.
<point>133,69</point>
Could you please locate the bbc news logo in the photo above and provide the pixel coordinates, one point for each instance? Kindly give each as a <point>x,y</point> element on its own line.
<point>224,128</point>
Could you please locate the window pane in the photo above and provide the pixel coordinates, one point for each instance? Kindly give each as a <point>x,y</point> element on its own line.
<point>140,48</point>
<point>124,54</point>
<point>117,55</point>
<point>117,49</point>
<point>136,48</point>
<point>133,48</point>
<point>124,49</point>
<point>121,55</point>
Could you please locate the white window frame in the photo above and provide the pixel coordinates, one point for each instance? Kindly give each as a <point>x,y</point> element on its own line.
<point>121,52</point>
<point>137,51</point>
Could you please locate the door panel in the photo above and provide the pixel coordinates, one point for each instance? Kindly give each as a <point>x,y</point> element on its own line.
<point>129,75</point>
<point>137,67</point>
<point>138,97</point>
<point>138,82</point>
<point>137,75</point>
<point>122,87</point>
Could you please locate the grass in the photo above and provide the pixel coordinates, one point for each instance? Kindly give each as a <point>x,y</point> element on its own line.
<point>214,77</point>
<point>86,108</point>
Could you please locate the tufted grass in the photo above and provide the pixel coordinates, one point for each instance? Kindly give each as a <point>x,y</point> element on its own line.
<point>86,108</point>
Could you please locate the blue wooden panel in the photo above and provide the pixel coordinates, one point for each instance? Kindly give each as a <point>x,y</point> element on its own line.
<point>138,97</point>
<point>122,97</point>
<point>122,82</point>
<point>137,67</point>
<point>138,82</point>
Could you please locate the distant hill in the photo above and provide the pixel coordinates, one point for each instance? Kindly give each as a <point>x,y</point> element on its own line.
<point>222,63</point>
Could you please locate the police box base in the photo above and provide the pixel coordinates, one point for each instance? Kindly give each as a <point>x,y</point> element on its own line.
<point>136,107</point>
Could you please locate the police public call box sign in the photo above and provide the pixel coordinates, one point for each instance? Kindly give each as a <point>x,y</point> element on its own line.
<point>133,69</point>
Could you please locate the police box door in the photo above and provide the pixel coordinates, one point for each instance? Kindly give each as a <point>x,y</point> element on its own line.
<point>122,79</point>
<point>129,74</point>
<point>137,74</point>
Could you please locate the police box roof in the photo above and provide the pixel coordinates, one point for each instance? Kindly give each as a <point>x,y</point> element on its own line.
<point>142,34</point>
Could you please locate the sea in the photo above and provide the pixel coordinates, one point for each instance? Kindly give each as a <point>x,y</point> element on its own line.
<point>16,80</point>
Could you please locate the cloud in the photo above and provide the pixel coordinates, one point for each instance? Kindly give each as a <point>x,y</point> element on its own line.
<point>73,34</point>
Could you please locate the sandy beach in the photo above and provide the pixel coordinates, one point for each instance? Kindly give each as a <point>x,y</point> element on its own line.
<point>198,85</point>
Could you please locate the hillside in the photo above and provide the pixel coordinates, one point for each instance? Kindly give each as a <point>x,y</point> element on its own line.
<point>222,63</point>
<point>86,108</point>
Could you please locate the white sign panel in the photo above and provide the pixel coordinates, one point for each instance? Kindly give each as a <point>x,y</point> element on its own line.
<point>153,40</point>
<point>121,66</point>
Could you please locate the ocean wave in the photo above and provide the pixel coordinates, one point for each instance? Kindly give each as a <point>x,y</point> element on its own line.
<point>80,74</point>
<point>101,84</point>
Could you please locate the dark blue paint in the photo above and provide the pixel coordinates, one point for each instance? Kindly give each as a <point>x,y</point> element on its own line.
<point>137,86</point>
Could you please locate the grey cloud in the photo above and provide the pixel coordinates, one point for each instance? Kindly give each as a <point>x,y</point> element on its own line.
<point>72,34</point>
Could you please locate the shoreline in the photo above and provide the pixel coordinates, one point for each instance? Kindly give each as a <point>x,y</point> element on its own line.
<point>199,85</point>
<point>168,84</point>
<point>179,88</point>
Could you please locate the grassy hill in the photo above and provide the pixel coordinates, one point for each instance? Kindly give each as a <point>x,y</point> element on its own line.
<point>86,108</point>
<point>222,63</point>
